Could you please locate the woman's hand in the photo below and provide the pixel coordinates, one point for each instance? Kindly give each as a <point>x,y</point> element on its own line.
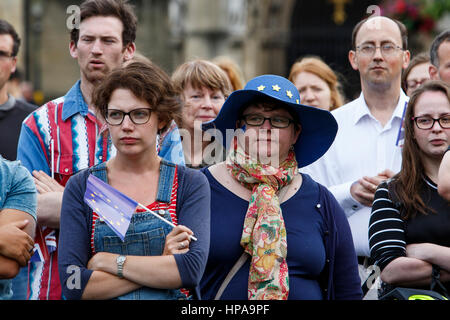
<point>177,241</point>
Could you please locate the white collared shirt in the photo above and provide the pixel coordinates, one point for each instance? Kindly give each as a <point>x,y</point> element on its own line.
<point>363,147</point>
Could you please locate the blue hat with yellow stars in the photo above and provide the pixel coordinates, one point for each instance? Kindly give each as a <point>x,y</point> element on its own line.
<point>319,127</point>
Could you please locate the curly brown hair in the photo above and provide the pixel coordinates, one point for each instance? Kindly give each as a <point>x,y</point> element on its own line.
<point>147,82</point>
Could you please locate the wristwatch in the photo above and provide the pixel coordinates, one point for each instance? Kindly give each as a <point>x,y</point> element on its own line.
<point>120,262</point>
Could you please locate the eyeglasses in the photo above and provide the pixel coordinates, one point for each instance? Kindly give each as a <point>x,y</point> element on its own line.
<point>5,55</point>
<point>426,122</point>
<point>137,116</point>
<point>387,49</point>
<point>275,121</point>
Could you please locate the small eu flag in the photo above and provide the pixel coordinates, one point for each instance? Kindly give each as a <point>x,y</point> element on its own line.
<point>401,131</point>
<point>115,208</point>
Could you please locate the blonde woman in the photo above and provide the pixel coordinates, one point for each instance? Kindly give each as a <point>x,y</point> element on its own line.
<point>203,87</point>
<point>288,233</point>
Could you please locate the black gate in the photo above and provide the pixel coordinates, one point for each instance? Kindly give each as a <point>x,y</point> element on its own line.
<point>324,28</point>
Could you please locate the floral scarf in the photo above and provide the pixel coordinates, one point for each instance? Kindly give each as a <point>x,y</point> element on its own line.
<point>264,232</point>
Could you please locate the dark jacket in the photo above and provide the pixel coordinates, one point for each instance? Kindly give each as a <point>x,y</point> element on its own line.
<point>339,279</point>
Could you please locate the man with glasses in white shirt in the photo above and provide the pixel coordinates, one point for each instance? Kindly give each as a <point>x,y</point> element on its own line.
<point>366,149</point>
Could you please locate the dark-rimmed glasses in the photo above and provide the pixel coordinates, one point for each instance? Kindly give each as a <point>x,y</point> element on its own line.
<point>257,120</point>
<point>426,122</point>
<point>137,116</point>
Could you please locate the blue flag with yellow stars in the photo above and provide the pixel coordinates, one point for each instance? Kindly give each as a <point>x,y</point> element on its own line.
<point>115,208</point>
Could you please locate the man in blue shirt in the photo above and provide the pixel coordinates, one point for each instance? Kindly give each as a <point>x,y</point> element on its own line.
<point>17,221</point>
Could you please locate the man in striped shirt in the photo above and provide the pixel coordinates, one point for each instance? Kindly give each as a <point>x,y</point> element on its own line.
<point>64,136</point>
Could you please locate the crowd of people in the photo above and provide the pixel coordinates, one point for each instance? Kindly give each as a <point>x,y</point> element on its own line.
<point>273,189</point>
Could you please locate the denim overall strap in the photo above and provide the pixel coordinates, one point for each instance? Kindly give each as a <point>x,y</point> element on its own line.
<point>166,176</point>
<point>99,171</point>
<point>145,235</point>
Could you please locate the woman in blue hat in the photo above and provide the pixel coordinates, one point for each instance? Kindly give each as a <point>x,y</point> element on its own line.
<point>276,234</point>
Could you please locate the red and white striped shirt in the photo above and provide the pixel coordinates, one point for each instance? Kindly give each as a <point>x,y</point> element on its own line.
<point>155,206</point>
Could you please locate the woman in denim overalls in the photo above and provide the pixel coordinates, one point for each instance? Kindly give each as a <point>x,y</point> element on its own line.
<point>155,261</point>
